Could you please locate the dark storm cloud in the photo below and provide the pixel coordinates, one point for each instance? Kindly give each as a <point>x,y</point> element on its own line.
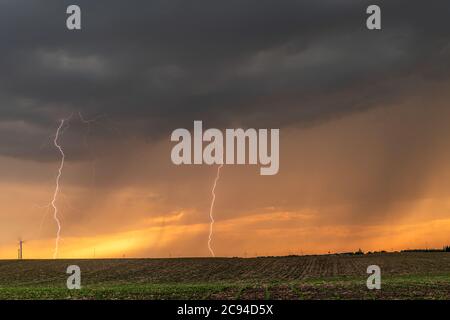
<point>155,66</point>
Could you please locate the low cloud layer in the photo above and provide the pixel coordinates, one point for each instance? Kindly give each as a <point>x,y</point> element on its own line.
<point>159,65</point>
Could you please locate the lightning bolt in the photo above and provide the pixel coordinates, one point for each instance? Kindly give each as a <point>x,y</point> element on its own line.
<point>58,177</point>
<point>56,193</point>
<point>211,209</point>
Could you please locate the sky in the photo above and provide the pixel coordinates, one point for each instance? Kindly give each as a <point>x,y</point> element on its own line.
<point>363,118</point>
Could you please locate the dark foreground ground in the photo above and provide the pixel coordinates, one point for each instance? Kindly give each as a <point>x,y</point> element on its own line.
<point>404,276</point>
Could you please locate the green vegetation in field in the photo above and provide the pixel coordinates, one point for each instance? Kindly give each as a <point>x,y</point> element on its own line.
<point>404,276</point>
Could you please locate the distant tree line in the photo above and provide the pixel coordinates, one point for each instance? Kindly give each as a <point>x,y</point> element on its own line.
<point>444,249</point>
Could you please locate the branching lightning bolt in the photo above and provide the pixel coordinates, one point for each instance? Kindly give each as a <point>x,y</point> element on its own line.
<point>55,194</point>
<point>213,192</point>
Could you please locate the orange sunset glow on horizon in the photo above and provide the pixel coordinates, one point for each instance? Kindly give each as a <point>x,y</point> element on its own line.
<point>335,192</point>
